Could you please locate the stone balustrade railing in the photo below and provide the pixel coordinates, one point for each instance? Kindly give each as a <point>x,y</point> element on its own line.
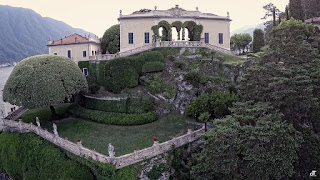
<point>106,98</point>
<point>160,44</point>
<point>80,150</point>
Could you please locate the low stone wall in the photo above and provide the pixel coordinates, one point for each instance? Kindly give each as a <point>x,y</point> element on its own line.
<point>78,149</point>
<point>106,98</point>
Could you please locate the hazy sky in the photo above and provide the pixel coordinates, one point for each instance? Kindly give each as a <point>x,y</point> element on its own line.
<point>98,15</point>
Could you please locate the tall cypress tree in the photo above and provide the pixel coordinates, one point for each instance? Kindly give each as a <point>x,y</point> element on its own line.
<point>296,9</point>
<point>258,40</point>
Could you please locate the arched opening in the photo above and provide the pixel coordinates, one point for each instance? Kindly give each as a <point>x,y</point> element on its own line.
<point>175,34</point>
<point>186,34</point>
<point>165,30</point>
<point>177,31</point>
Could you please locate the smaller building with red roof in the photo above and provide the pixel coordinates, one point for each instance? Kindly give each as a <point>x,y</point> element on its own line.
<point>75,46</point>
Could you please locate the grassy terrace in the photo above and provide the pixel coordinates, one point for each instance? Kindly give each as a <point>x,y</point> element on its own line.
<point>123,138</point>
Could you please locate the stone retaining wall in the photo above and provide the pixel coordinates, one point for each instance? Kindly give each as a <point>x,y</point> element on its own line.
<point>78,149</point>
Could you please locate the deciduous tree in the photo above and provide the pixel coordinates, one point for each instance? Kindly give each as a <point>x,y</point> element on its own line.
<point>240,42</point>
<point>111,40</point>
<point>216,104</point>
<point>44,80</point>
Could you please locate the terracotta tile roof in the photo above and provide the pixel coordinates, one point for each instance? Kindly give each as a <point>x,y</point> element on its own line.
<point>71,39</point>
<point>315,19</point>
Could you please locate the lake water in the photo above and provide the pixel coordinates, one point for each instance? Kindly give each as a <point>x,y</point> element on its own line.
<point>4,75</point>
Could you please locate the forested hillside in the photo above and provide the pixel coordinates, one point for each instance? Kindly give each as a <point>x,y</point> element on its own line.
<point>24,33</point>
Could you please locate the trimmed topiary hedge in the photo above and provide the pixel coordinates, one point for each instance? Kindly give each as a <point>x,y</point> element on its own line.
<point>113,118</point>
<point>120,73</point>
<point>152,67</point>
<point>130,105</point>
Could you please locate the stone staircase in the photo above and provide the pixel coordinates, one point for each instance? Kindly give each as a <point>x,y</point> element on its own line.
<point>160,44</point>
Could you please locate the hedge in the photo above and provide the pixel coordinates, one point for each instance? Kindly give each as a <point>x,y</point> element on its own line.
<point>152,67</point>
<point>113,118</point>
<point>152,56</point>
<point>120,73</point>
<point>130,105</point>
<point>26,156</point>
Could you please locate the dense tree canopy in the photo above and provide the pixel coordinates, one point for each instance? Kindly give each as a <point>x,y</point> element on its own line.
<point>43,80</point>
<point>217,104</point>
<point>288,76</point>
<point>296,10</point>
<point>258,40</point>
<point>304,9</point>
<point>240,42</point>
<point>110,41</point>
<point>252,143</point>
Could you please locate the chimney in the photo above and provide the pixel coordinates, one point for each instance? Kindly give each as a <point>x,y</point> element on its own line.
<point>60,41</point>
<point>50,42</point>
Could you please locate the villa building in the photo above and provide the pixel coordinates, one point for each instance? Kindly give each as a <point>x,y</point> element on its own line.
<point>147,29</point>
<point>75,46</point>
<point>176,24</point>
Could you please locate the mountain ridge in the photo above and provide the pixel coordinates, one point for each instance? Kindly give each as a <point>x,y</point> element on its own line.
<point>26,33</point>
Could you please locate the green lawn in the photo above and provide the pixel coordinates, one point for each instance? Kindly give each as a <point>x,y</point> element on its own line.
<point>44,114</point>
<point>123,138</point>
<point>231,59</point>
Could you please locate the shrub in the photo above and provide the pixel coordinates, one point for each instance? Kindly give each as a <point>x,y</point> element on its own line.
<point>166,52</point>
<point>169,92</point>
<point>187,52</point>
<point>101,171</point>
<point>147,103</point>
<point>194,77</point>
<point>171,58</point>
<point>156,172</point>
<point>152,56</point>
<point>118,74</point>
<point>152,67</point>
<point>216,103</point>
<point>113,118</point>
<point>180,64</point>
<point>26,156</point>
<point>155,86</point>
